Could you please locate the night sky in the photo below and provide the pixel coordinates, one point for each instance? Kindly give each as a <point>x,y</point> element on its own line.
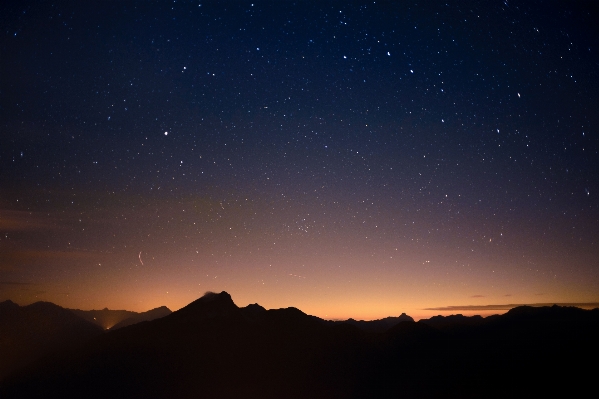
<point>351,159</point>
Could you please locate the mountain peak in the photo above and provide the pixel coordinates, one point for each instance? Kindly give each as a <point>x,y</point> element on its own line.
<point>152,314</point>
<point>210,296</point>
<point>43,306</point>
<point>8,307</point>
<point>210,305</point>
<point>253,311</point>
<point>8,304</point>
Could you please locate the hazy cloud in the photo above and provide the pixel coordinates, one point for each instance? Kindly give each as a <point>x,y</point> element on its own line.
<point>477,296</point>
<point>16,257</point>
<point>11,221</point>
<point>583,305</point>
<point>14,283</point>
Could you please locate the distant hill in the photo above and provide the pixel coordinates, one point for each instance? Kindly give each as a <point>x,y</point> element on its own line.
<point>28,333</point>
<point>458,321</point>
<point>379,325</point>
<point>104,318</point>
<point>212,348</point>
<point>115,319</point>
<point>145,316</point>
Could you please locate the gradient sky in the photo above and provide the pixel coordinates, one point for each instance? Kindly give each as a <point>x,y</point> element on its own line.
<point>351,159</point>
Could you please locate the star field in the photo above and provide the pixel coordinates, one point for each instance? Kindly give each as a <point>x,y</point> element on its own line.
<point>352,160</point>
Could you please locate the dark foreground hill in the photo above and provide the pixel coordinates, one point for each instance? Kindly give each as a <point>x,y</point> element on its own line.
<point>214,349</point>
<point>28,333</point>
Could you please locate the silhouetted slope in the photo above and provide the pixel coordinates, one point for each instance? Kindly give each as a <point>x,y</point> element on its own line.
<point>30,332</point>
<point>209,346</point>
<point>105,318</point>
<point>253,311</point>
<point>379,325</point>
<point>145,316</point>
<point>7,309</point>
<point>533,351</point>
<point>457,321</point>
<point>214,349</point>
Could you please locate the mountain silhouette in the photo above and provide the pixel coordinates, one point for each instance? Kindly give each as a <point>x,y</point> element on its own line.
<point>8,308</point>
<point>456,322</point>
<point>253,311</point>
<point>212,348</point>
<point>144,316</point>
<point>105,318</point>
<point>31,332</point>
<point>379,325</point>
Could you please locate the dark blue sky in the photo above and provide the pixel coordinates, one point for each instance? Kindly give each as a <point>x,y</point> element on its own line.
<point>374,156</point>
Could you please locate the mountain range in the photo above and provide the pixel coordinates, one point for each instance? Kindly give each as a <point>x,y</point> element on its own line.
<point>115,319</point>
<point>28,333</point>
<point>213,348</point>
